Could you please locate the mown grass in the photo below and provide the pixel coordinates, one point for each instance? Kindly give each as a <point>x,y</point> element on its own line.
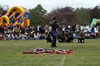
<point>86,54</point>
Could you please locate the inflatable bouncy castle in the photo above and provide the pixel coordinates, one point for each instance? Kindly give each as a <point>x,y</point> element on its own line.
<point>16,15</point>
<point>95,22</point>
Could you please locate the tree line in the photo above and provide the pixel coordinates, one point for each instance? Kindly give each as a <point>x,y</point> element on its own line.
<point>66,15</point>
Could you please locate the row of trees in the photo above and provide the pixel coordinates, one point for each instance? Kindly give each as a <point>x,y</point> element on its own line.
<point>66,15</point>
<point>38,15</point>
<point>2,11</point>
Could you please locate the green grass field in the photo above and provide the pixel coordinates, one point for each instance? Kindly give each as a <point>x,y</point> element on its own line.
<point>87,54</point>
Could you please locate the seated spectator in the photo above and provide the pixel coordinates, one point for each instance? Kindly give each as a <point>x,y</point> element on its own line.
<point>1,36</point>
<point>67,37</point>
<point>42,36</point>
<point>70,38</point>
<point>22,37</point>
<point>11,36</point>
<point>32,34</point>
<point>35,36</point>
<point>88,35</point>
<point>93,35</point>
<point>61,38</point>
<point>49,37</point>
<point>81,37</point>
<point>74,36</point>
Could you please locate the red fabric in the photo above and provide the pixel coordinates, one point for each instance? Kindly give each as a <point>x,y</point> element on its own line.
<point>25,22</point>
<point>1,37</point>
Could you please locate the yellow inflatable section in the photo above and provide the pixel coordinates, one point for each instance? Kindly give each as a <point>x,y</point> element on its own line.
<point>16,15</point>
<point>4,20</point>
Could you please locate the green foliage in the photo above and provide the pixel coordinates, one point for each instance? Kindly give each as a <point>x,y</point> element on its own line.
<point>83,15</point>
<point>37,15</point>
<point>69,15</point>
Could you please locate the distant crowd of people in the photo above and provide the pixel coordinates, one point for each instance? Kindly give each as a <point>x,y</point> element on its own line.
<point>19,32</point>
<point>65,33</point>
<point>70,32</point>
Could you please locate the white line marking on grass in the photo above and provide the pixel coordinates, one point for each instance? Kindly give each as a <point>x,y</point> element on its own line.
<point>62,62</point>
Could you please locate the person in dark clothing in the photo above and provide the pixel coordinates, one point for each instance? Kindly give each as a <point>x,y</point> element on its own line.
<point>54,25</point>
<point>1,33</point>
<point>81,37</point>
<point>60,34</point>
<point>70,38</point>
<point>1,30</point>
<point>49,38</point>
<point>61,38</point>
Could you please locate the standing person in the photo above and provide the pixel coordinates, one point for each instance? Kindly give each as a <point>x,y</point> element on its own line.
<point>53,32</point>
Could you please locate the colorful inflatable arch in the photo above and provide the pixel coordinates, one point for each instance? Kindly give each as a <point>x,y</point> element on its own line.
<point>16,15</point>
<point>4,20</point>
<point>95,21</point>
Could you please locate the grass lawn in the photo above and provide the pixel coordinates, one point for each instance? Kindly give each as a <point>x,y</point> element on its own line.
<point>87,54</point>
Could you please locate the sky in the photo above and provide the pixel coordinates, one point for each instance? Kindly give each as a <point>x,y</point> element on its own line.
<point>49,5</point>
